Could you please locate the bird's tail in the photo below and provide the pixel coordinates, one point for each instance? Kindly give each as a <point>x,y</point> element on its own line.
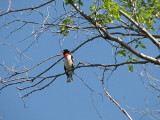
<point>69,79</point>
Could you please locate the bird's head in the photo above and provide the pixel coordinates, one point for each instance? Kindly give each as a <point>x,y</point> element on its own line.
<point>65,51</point>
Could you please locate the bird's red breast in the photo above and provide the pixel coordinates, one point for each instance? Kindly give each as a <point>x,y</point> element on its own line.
<point>66,55</point>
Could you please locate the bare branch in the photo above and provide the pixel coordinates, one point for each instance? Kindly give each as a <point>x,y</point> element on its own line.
<point>133,34</point>
<point>117,104</point>
<point>31,8</point>
<point>113,100</point>
<point>39,88</point>
<point>26,79</point>
<point>21,53</point>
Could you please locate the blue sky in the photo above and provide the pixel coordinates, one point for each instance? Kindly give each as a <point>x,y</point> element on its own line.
<point>62,100</point>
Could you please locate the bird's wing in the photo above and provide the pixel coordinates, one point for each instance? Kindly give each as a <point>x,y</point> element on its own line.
<point>66,70</point>
<point>73,62</point>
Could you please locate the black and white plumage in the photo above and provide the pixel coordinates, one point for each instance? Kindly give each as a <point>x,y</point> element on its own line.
<point>68,64</point>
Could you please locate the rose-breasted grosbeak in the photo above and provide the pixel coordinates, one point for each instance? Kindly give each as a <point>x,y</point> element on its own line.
<point>68,64</point>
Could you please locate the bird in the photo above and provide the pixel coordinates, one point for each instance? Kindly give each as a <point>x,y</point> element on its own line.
<point>68,64</point>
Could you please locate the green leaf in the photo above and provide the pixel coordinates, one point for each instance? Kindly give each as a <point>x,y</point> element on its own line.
<point>121,53</point>
<point>80,2</point>
<point>134,59</point>
<point>68,21</point>
<point>136,46</point>
<point>93,7</point>
<point>130,67</point>
<point>67,2</point>
<point>63,28</point>
<point>142,45</point>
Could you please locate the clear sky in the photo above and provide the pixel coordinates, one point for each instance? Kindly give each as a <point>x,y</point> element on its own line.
<point>62,100</point>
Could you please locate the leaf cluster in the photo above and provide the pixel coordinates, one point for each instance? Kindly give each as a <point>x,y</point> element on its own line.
<point>64,27</point>
<point>107,12</point>
<point>124,53</point>
<point>144,12</point>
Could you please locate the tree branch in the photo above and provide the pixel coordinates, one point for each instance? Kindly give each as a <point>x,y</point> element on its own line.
<point>117,104</point>
<point>31,8</point>
<point>134,34</point>
<point>27,79</point>
<point>143,30</point>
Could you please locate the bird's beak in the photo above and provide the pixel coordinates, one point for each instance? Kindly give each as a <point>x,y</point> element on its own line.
<point>62,52</point>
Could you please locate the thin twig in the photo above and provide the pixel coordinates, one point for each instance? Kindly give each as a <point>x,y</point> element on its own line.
<point>24,9</point>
